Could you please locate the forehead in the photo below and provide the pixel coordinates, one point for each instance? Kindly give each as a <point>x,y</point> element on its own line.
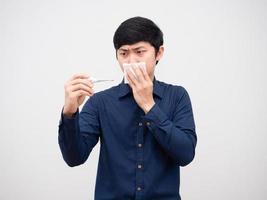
<point>136,46</point>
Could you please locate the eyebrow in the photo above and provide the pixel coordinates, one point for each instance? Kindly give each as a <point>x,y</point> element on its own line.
<point>122,49</point>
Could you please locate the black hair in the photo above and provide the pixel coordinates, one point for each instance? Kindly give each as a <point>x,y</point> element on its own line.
<point>138,29</point>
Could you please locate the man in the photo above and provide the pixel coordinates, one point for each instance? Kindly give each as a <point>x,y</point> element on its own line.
<point>146,127</point>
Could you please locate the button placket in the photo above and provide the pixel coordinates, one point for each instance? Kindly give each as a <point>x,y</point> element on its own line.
<point>139,158</point>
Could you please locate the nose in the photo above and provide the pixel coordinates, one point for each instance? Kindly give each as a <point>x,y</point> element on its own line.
<point>132,58</point>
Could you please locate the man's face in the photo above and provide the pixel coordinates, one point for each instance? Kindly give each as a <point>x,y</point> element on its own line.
<point>140,52</point>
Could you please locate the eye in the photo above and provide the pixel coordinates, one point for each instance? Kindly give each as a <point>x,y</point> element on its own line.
<point>122,53</point>
<point>140,52</point>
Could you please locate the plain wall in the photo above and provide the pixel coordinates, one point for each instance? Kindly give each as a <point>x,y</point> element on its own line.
<point>216,49</point>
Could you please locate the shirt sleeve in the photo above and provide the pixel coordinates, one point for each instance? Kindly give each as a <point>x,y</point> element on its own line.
<point>79,134</point>
<point>177,137</point>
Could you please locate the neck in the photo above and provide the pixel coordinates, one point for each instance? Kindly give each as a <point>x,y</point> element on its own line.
<point>151,77</point>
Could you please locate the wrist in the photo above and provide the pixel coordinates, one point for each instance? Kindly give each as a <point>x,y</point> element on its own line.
<point>68,113</point>
<point>147,107</point>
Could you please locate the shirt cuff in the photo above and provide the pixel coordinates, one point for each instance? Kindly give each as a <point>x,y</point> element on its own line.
<point>68,120</point>
<point>155,116</point>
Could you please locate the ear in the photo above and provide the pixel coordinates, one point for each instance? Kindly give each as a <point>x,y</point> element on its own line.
<point>160,53</point>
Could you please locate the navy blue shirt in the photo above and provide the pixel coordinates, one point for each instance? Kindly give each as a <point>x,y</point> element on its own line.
<point>140,154</point>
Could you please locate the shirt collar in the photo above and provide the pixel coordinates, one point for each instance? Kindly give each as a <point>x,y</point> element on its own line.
<point>125,89</point>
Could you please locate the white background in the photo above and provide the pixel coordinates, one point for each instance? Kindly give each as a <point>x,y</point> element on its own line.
<point>215,49</point>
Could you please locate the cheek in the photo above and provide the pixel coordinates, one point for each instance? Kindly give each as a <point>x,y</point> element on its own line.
<point>150,69</point>
<point>120,64</point>
<point>150,64</point>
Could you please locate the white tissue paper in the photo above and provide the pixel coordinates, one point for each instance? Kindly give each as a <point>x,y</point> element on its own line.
<point>130,66</point>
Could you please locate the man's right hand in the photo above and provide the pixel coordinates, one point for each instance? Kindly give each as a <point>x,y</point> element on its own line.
<point>76,89</point>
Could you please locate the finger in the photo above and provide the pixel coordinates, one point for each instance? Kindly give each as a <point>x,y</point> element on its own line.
<point>81,93</point>
<point>139,74</point>
<point>145,74</point>
<point>81,87</point>
<point>131,83</point>
<point>131,77</point>
<point>86,82</point>
<point>79,75</point>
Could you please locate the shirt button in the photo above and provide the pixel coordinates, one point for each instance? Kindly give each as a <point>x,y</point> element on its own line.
<point>140,124</point>
<point>139,188</point>
<point>139,166</point>
<point>148,123</point>
<point>140,145</point>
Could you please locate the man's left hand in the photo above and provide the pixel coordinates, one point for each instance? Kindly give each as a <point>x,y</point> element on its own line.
<point>142,88</point>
